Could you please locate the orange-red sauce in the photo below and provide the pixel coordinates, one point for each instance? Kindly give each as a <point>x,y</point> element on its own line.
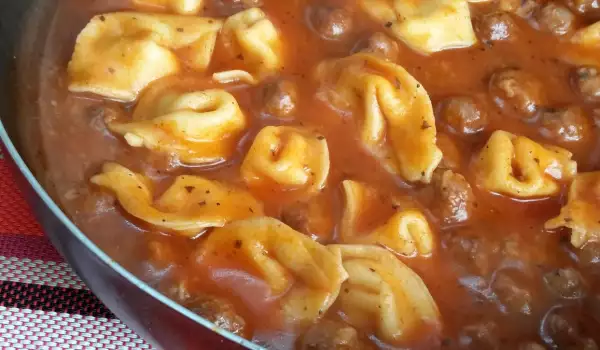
<point>77,142</point>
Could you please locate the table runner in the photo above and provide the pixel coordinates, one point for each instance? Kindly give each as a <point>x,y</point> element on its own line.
<point>43,304</point>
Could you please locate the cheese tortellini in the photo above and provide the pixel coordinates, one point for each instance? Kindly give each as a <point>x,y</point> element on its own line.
<point>588,36</point>
<point>587,41</point>
<point>427,26</point>
<point>182,7</point>
<point>119,54</point>
<point>303,272</point>
<point>406,232</point>
<point>252,37</point>
<point>197,127</point>
<point>519,167</point>
<point>398,124</point>
<point>189,206</point>
<point>582,212</point>
<point>381,288</point>
<point>289,158</point>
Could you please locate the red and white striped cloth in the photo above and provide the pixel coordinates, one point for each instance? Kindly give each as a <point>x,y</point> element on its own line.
<point>43,304</point>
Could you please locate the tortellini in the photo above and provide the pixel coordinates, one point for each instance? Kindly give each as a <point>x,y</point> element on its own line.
<point>406,232</point>
<point>398,125</point>
<point>519,167</point>
<point>587,41</point>
<point>588,36</point>
<point>182,7</point>
<point>189,206</point>
<point>289,158</point>
<point>197,127</point>
<point>119,54</point>
<point>303,272</point>
<point>252,37</point>
<point>381,289</point>
<point>582,212</point>
<point>427,26</point>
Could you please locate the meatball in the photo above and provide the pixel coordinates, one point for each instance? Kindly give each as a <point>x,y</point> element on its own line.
<point>454,198</point>
<point>522,8</point>
<point>586,82</point>
<point>311,218</point>
<point>497,26</point>
<point>330,23</point>
<point>585,7</point>
<point>382,46</point>
<point>592,304</point>
<point>519,94</point>
<point>280,98</point>
<point>462,115</point>
<point>218,311</point>
<point>452,158</point>
<point>560,329</point>
<point>555,18</point>
<point>566,283</point>
<point>480,336</point>
<point>512,296</point>
<point>473,255</point>
<point>531,346</point>
<point>569,124</point>
<point>230,7</point>
<point>332,335</point>
<point>589,255</point>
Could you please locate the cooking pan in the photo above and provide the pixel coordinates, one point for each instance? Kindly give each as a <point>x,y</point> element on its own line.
<point>24,30</point>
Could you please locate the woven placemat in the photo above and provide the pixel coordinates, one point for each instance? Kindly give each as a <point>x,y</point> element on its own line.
<point>43,304</point>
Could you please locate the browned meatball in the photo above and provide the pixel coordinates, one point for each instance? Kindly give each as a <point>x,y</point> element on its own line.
<point>555,18</point>
<point>454,198</point>
<point>452,158</point>
<point>218,311</point>
<point>561,329</point>
<point>331,23</point>
<point>531,346</point>
<point>480,336</point>
<point>519,94</point>
<point>312,217</point>
<point>569,124</point>
<point>522,8</point>
<point>280,98</point>
<point>472,254</point>
<point>332,335</point>
<point>230,7</point>
<point>566,283</point>
<point>585,7</point>
<point>589,255</point>
<point>592,304</point>
<point>462,115</point>
<point>498,26</point>
<point>512,294</point>
<point>382,46</point>
<point>586,81</point>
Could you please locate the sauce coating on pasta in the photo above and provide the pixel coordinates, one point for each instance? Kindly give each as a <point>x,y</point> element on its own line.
<point>337,174</point>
